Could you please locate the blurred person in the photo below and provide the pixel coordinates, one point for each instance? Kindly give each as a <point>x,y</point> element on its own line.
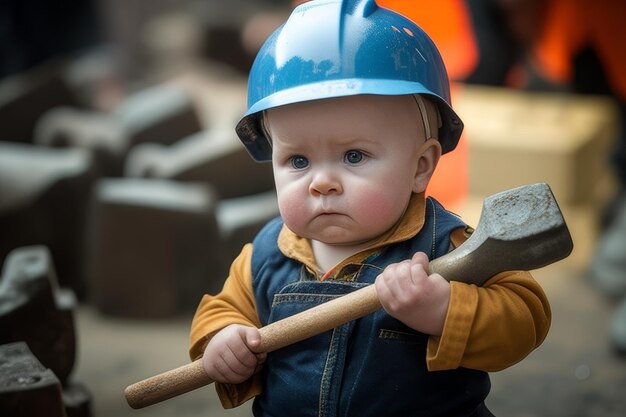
<point>573,46</point>
<point>354,139</point>
<point>579,48</point>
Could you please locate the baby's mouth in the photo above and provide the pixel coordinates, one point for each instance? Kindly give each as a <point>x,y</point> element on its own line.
<point>327,212</point>
<point>327,209</point>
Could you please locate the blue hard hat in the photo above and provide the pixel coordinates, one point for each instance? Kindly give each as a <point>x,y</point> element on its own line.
<point>335,48</point>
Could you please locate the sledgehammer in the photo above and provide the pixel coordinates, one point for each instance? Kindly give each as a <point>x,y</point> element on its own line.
<point>519,229</point>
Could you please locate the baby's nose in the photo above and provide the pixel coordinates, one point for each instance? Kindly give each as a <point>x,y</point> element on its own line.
<point>325,182</point>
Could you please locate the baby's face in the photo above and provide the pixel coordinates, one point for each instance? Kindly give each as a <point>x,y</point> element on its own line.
<point>345,168</point>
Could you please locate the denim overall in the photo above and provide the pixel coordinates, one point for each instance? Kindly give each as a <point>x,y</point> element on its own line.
<point>374,366</point>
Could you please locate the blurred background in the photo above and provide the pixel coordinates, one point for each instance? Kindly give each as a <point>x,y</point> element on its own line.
<point>125,193</point>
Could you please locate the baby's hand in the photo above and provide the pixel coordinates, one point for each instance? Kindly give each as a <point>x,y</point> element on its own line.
<point>231,356</point>
<point>417,299</point>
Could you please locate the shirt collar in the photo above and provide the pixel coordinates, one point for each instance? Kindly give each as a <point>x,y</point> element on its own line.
<point>409,225</point>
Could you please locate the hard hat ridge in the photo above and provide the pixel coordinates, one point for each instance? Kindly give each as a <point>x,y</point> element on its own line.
<point>362,8</point>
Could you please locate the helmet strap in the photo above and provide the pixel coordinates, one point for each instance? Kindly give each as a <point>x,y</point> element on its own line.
<point>422,106</point>
<point>430,115</point>
<point>263,126</point>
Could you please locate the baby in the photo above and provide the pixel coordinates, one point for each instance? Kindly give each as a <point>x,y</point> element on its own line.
<point>354,131</point>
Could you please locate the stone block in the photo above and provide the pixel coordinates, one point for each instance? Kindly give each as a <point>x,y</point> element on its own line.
<point>160,114</point>
<point>154,247</point>
<point>222,25</point>
<point>43,201</point>
<point>215,157</point>
<point>77,400</point>
<point>25,97</point>
<point>240,219</point>
<point>517,138</point>
<point>34,310</point>
<point>27,388</point>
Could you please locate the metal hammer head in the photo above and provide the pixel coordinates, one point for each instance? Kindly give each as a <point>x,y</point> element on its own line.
<point>519,229</point>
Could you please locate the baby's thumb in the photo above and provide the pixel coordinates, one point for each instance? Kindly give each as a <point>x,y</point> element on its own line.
<point>253,339</point>
<point>420,258</point>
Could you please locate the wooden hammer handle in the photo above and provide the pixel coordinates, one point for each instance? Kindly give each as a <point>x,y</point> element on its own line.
<point>274,336</point>
<point>519,229</point>
<point>167,385</point>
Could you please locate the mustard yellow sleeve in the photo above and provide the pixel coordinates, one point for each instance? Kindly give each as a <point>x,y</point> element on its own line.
<point>235,304</point>
<point>491,327</point>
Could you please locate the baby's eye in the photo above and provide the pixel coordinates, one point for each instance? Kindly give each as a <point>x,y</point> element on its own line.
<point>353,157</point>
<point>299,162</point>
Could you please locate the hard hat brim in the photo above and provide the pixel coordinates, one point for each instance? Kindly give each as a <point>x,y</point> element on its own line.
<point>253,135</point>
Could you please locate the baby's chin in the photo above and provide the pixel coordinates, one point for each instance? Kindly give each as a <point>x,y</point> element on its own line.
<point>344,240</point>
<point>342,232</point>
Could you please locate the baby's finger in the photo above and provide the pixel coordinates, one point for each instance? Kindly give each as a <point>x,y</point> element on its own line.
<point>252,338</point>
<point>240,350</point>
<point>223,367</point>
<point>420,258</point>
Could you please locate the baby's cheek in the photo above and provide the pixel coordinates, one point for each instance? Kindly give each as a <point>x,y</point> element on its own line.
<point>292,211</point>
<point>377,210</point>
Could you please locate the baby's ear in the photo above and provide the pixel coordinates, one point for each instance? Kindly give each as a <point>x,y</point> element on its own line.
<point>430,151</point>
